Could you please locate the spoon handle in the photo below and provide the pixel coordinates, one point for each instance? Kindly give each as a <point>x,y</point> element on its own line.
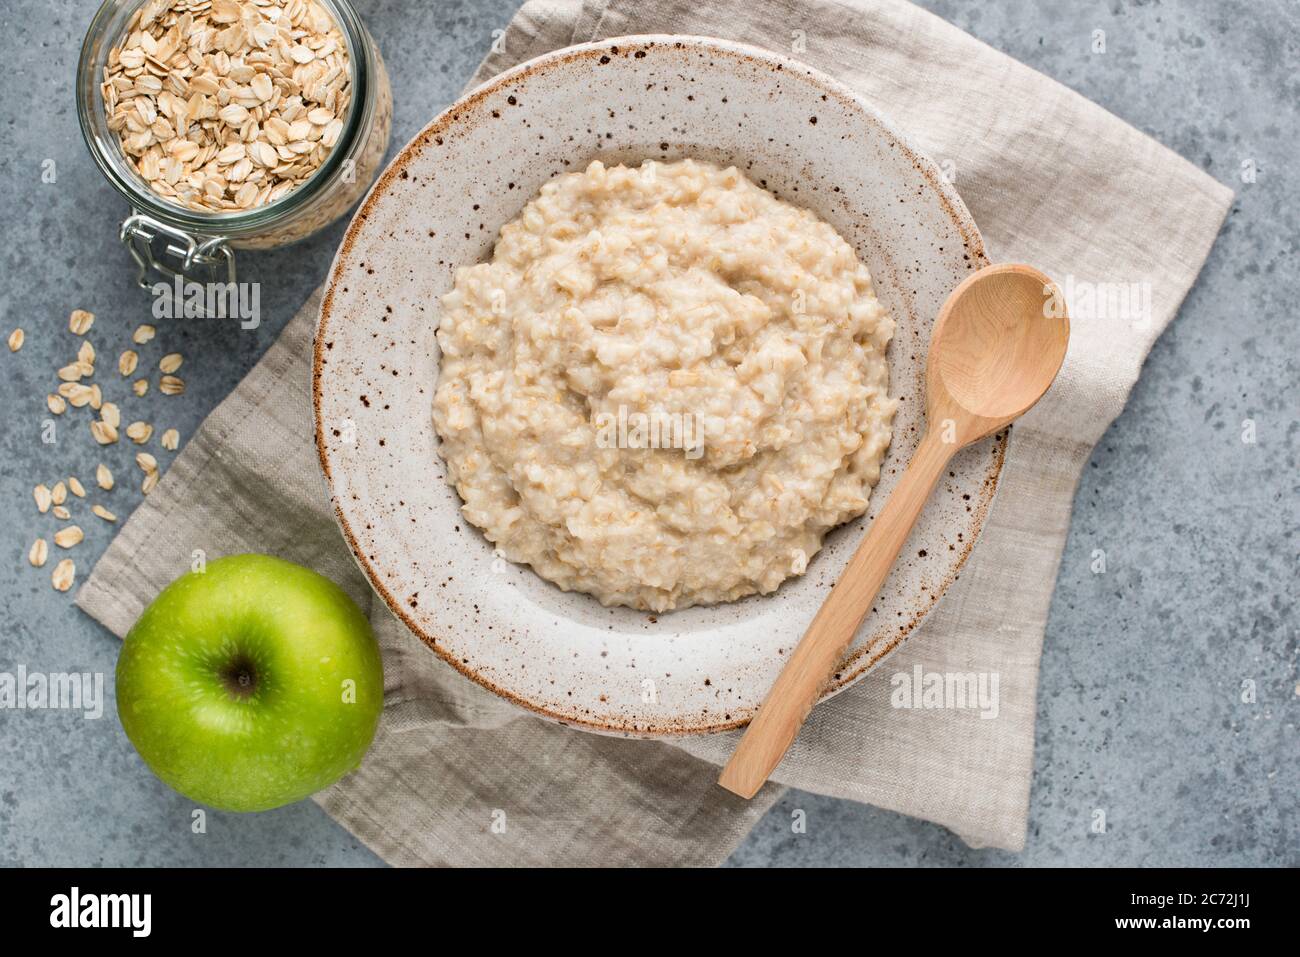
<point>799,685</point>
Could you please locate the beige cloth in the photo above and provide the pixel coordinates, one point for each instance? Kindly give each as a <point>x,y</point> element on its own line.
<point>1050,178</point>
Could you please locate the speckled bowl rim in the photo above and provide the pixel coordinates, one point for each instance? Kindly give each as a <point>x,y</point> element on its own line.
<point>858,662</point>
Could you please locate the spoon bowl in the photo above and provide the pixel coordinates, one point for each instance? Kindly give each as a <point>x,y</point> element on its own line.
<point>997,345</point>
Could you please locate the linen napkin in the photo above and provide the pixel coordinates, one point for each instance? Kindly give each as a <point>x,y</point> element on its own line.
<point>457,776</point>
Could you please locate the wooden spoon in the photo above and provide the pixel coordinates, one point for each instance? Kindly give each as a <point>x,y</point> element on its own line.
<point>996,347</point>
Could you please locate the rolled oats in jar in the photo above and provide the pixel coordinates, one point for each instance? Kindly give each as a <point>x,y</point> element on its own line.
<point>231,124</point>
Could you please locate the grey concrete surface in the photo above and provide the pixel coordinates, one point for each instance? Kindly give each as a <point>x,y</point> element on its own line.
<point>1141,709</point>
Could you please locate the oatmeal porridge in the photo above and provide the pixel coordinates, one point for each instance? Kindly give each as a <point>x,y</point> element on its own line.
<point>665,387</point>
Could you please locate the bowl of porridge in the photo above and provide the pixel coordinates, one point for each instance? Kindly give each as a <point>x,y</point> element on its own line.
<point>616,363</point>
<point>665,386</point>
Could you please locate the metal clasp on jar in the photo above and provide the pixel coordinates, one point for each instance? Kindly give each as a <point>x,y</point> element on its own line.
<point>153,245</point>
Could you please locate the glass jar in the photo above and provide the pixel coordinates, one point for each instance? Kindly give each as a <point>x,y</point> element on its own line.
<point>176,240</point>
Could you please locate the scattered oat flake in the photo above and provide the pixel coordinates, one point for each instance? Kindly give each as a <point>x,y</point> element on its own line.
<point>65,572</point>
<point>139,432</point>
<point>43,498</point>
<point>127,361</point>
<point>102,432</point>
<point>149,482</point>
<point>96,397</point>
<point>77,394</point>
<point>103,513</point>
<point>143,334</point>
<point>171,439</point>
<point>39,551</point>
<point>86,355</point>
<point>61,512</point>
<point>72,372</point>
<point>103,477</point>
<point>171,385</point>
<point>75,487</point>
<point>170,362</point>
<point>69,536</point>
<point>110,413</point>
<point>80,321</point>
<point>59,494</point>
<point>16,340</point>
<point>140,386</point>
<point>56,403</point>
<point>146,462</point>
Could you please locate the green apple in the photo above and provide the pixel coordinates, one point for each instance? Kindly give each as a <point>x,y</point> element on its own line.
<point>250,684</point>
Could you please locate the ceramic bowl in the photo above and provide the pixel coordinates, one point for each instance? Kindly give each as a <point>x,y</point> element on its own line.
<point>440,204</point>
